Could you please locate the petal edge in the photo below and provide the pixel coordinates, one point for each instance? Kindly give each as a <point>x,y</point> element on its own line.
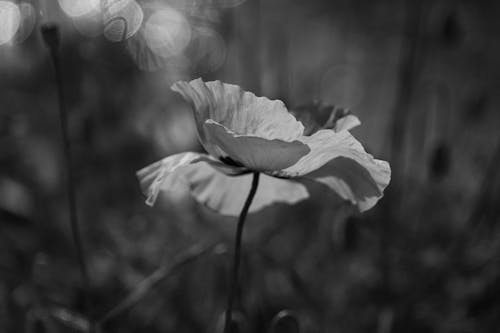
<point>339,161</point>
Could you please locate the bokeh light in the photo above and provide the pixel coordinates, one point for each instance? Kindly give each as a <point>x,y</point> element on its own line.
<point>90,24</point>
<point>210,51</point>
<point>76,8</point>
<point>144,58</point>
<point>167,32</point>
<point>27,23</point>
<point>122,19</point>
<point>10,19</point>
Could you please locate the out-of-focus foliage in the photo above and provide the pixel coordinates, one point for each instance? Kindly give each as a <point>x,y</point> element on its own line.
<point>425,260</point>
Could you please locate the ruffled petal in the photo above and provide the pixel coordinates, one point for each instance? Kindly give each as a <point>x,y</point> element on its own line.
<point>345,123</point>
<point>255,153</point>
<point>218,191</point>
<point>240,111</point>
<point>199,97</point>
<point>226,195</point>
<point>341,120</point>
<point>338,161</point>
<point>163,174</point>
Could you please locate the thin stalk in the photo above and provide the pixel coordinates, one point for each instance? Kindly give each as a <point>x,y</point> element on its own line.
<point>411,58</point>
<point>237,252</point>
<point>156,277</point>
<point>51,37</point>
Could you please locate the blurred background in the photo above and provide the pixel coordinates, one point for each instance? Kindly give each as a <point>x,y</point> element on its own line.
<point>423,77</point>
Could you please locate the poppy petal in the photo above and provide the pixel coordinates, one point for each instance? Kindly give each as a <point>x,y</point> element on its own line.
<point>338,161</point>
<point>197,95</point>
<point>255,153</point>
<point>227,194</point>
<point>162,174</point>
<point>240,111</point>
<point>344,123</point>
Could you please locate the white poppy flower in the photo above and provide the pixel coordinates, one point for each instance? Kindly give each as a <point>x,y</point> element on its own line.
<point>243,133</point>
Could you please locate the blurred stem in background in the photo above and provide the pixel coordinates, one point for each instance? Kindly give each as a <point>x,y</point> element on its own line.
<point>228,327</point>
<point>51,37</point>
<point>155,278</point>
<point>482,205</point>
<point>408,73</point>
<point>246,35</point>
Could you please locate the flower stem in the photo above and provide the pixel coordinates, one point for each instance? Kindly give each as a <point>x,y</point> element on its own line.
<point>237,252</point>
<point>51,37</point>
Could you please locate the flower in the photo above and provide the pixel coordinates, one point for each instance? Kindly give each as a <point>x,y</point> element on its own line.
<point>243,133</point>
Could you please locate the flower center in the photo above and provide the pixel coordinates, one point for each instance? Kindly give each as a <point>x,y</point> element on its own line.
<point>229,161</point>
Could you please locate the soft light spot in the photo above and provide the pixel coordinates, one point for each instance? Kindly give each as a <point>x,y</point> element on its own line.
<point>15,197</point>
<point>167,32</point>
<point>10,19</point>
<point>210,50</point>
<point>90,24</point>
<point>28,21</point>
<point>76,8</point>
<point>175,132</point>
<point>122,19</point>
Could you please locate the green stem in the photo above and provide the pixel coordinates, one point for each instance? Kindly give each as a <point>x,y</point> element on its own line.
<point>237,252</point>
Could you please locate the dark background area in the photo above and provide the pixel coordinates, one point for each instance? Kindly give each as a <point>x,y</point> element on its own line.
<point>423,77</point>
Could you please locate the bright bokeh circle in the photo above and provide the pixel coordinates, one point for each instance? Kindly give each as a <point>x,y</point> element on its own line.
<point>122,19</point>
<point>10,19</point>
<point>90,24</point>
<point>27,23</point>
<point>77,8</point>
<point>167,32</point>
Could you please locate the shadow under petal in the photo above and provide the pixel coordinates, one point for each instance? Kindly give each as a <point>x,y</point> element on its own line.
<point>226,194</point>
<point>352,181</point>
